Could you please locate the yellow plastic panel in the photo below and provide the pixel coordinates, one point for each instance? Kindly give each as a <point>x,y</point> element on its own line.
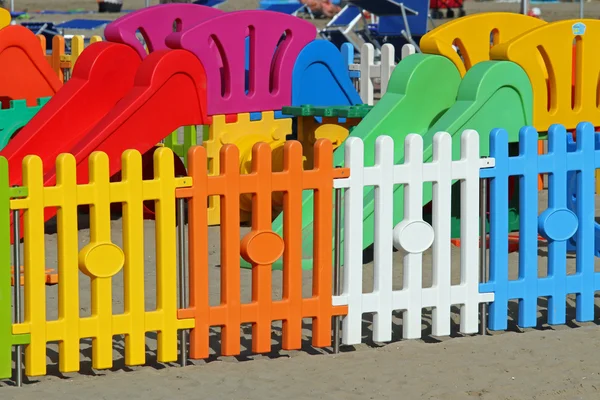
<point>77,46</point>
<point>556,101</point>
<point>309,131</point>
<point>472,35</point>
<point>244,134</point>
<point>100,259</point>
<point>4,18</point>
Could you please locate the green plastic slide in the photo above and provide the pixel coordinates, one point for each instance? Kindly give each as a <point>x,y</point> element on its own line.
<point>425,96</point>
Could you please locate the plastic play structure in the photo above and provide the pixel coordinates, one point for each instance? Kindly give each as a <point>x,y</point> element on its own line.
<point>214,68</point>
<point>119,87</point>
<point>247,75</point>
<point>527,82</point>
<point>26,75</point>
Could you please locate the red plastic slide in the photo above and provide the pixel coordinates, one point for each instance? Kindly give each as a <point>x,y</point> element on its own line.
<point>26,74</point>
<point>169,91</point>
<point>104,73</point>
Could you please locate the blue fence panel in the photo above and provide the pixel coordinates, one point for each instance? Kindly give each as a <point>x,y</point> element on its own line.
<point>557,224</point>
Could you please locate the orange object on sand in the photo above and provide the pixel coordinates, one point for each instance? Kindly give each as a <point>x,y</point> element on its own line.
<point>513,242</point>
<point>51,276</point>
<point>26,74</point>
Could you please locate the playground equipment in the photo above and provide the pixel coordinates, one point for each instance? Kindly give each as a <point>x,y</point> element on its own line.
<point>62,58</point>
<point>508,94</point>
<point>185,65</point>
<point>508,88</point>
<point>25,73</point>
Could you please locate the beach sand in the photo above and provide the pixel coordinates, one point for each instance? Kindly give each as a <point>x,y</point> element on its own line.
<point>547,363</point>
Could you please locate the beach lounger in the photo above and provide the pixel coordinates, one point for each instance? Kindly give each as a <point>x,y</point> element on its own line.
<point>398,23</point>
<point>338,29</point>
<point>287,7</point>
<point>210,3</point>
<point>83,24</point>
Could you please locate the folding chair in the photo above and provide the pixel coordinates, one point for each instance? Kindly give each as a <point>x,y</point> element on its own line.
<point>210,3</point>
<point>83,24</point>
<point>293,7</point>
<point>338,29</point>
<point>398,22</point>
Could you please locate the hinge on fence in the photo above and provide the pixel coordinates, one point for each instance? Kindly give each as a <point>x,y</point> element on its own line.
<point>487,162</point>
<point>340,173</point>
<point>17,192</point>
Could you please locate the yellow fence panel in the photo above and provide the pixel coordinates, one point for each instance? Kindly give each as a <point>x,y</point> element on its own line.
<point>100,260</point>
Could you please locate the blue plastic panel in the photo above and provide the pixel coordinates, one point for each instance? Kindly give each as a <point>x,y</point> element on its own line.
<point>557,224</point>
<point>320,77</point>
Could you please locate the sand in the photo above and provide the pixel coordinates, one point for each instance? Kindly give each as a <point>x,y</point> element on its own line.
<point>541,363</point>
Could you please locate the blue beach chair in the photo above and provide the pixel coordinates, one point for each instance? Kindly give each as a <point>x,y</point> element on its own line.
<point>399,23</point>
<point>210,3</point>
<point>338,29</point>
<point>293,7</point>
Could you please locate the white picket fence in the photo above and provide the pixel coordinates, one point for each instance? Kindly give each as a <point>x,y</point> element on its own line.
<point>371,70</point>
<point>413,235</point>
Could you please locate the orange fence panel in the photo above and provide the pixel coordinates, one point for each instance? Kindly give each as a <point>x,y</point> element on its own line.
<point>261,247</point>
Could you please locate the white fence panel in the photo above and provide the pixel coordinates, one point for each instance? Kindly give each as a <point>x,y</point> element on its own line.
<point>369,69</point>
<point>413,235</point>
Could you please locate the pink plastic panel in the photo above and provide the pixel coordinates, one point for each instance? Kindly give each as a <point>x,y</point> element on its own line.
<point>156,23</point>
<point>220,44</point>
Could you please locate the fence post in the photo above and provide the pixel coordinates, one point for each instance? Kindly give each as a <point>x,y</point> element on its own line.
<point>388,56</point>
<point>7,339</point>
<point>183,354</point>
<point>337,266</point>
<point>367,59</point>
<point>483,248</point>
<point>5,278</point>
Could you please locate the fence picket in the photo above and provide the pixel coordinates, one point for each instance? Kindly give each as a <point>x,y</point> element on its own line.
<point>353,242</point>
<point>498,283</point>
<point>369,69</point>
<point>383,177</point>
<point>367,59</point>
<point>442,208</point>
<point>469,297</point>
<point>68,268</point>
<point>412,174</point>
<point>528,227</point>
<point>585,211</point>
